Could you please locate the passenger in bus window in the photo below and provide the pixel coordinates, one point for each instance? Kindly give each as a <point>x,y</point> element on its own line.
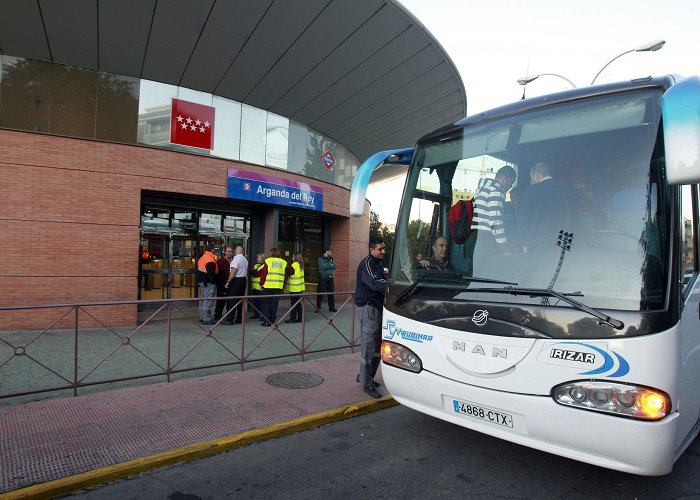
<point>489,210</point>
<point>439,261</point>
<point>548,206</point>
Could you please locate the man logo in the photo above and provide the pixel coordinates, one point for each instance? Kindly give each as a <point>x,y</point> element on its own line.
<point>480,317</point>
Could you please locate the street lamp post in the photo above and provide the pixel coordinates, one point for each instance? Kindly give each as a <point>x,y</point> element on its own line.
<point>649,47</point>
<point>527,79</point>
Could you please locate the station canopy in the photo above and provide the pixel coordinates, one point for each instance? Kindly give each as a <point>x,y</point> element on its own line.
<point>363,72</point>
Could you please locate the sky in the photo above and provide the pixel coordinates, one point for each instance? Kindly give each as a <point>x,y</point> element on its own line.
<point>493,43</point>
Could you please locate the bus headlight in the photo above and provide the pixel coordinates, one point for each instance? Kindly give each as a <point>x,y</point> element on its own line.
<point>400,357</point>
<point>625,400</point>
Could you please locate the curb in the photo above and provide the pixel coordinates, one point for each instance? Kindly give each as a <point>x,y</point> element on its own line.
<point>83,480</point>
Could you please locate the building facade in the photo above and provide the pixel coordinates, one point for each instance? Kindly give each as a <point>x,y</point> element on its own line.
<point>104,203</point>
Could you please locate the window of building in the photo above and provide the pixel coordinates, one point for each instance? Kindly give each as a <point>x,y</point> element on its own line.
<point>253,134</point>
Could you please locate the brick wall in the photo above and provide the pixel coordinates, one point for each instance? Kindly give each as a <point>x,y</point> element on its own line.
<point>70,216</point>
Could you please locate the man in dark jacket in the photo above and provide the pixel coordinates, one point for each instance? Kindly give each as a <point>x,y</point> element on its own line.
<point>548,206</point>
<point>223,264</point>
<point>369,301</point>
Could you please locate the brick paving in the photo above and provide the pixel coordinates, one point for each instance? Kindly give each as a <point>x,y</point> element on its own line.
<point>45,440</point>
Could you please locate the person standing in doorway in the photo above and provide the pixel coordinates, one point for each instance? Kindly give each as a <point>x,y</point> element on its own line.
<point>272,283</point>
<point>206,277</point>
<point>369,301</point>
<point>255,288</point>
<point>223,264</point>
<point>295,286</point>
<point>237,281</point>
<point>326,267</point>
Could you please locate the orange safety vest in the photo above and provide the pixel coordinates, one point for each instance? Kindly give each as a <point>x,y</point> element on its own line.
<point>205,259</point>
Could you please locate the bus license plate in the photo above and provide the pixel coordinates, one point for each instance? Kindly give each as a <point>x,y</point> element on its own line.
<point>483,413</point>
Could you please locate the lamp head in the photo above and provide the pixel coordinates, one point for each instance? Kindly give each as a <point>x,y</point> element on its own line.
<point>651,46</point>
<point>527,79</point>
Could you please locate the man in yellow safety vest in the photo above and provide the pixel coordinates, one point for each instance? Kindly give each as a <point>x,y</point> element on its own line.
<point>272,283</point>
<point>295,285</point>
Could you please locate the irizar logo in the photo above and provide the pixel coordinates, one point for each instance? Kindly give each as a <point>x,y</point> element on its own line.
<point>480,317</point>
<point>393,330</point>
<point>582,357</point>
<point>614,363</point>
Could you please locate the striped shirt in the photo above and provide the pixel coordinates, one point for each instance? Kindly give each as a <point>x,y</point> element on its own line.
<point>489,201</point>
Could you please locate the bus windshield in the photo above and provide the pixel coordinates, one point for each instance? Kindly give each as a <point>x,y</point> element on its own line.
<point>567,197</point>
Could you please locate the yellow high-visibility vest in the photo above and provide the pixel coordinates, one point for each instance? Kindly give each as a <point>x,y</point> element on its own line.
<point>295,283</point>
<point>275,273</point>
<point>255,280</point>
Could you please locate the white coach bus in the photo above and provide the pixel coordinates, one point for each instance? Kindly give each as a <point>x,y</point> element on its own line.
<point>573,332</point>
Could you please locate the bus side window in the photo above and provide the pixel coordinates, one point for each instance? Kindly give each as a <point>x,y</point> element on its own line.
<point>689,224</point>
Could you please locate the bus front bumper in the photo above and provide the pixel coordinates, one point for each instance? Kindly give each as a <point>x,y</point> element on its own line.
<point>537,421</point>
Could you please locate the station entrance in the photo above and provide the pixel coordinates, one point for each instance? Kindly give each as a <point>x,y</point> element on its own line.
<point>171,240</point>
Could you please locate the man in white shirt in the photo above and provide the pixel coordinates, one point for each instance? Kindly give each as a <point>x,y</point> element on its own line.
<point>237,280</point>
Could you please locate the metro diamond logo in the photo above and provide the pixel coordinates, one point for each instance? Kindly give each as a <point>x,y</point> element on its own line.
<point>328,160</point>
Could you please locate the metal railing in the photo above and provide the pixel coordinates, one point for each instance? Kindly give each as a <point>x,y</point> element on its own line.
<point>90,344</point>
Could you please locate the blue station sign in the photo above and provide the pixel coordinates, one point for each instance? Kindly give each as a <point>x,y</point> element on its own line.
<point>251,186</point>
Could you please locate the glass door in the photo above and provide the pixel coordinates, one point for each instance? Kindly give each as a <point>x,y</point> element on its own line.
<point>172,240</point>
<point>302,235</point>
<point>183,266</point>
<point>155,253</point>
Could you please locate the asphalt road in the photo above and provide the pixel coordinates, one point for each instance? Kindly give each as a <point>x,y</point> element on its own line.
<point>397,453</point>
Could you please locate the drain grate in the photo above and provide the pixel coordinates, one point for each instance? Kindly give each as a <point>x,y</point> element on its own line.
<point>294,380</point>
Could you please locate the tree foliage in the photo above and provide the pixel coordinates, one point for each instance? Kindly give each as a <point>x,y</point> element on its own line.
<point>377,230</point>
<point>417,235</point>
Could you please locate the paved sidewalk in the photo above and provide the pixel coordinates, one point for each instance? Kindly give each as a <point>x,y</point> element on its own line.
<point>60,445</point>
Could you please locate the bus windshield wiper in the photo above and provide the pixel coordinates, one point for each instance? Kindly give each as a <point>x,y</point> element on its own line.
<point>446,276</point>
<point>566,297</point>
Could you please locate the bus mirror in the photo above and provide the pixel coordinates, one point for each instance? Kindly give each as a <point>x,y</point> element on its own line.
<point>358,193</point>
<point>681,120</point>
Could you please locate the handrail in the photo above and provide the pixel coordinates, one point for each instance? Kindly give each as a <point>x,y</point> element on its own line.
<point>84,347</point>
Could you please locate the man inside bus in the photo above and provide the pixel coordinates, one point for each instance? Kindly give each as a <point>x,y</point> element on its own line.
<point>488,238</point>
<point>549,205</point>
<point>439,261</point>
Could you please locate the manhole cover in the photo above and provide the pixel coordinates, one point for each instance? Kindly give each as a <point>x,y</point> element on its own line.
<point>294,380</point>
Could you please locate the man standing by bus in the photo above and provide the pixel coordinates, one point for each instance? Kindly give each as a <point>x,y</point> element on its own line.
<point>369,301</point>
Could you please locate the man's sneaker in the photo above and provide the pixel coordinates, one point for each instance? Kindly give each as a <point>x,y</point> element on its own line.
<point>376,384</point>
<point>334,310</point>
<point>372,392</point>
